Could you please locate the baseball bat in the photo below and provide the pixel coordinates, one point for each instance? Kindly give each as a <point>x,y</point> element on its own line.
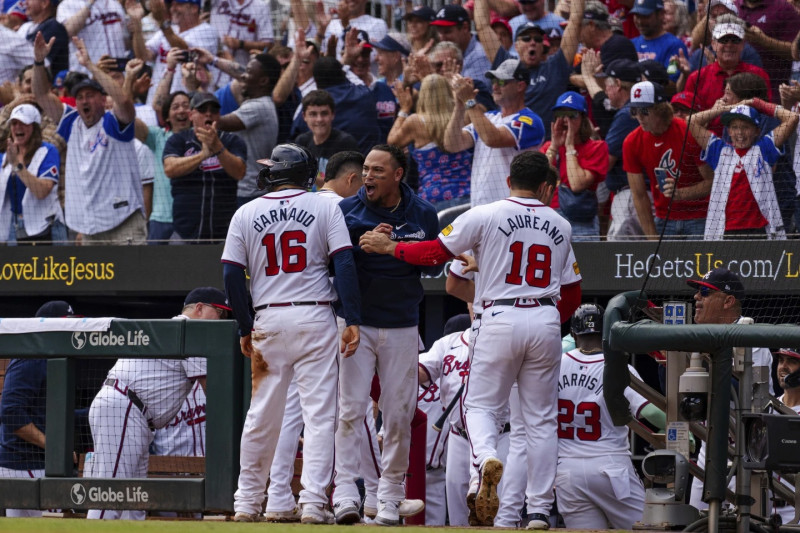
<point>439,424</point>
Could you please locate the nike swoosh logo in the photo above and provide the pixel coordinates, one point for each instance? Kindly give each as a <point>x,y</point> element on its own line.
<point>495,313</point>
<point>659,144</point>
<point>401,226</point>
<point>454,347</point>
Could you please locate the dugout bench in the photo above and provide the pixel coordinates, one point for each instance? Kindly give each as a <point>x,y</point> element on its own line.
<point>215,340</point>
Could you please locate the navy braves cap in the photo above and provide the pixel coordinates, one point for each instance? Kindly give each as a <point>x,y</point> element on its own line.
<point>421,12</point>
<point>199,99</point>
<point>510,69</point>
<point>56,309</point>
<point>624,69</point>
<point>788,352</point>
<point>720,279</point>
<point>654,71</point>
<point>457,323</point>
<point>450,15</point>
<point>208,295</point>
<point>646,7</point>
<point>87,83</point>
<point>526,27</point>
<point>388,44</point>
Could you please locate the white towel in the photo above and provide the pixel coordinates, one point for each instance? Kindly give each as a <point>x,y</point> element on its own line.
<point>37,325</point>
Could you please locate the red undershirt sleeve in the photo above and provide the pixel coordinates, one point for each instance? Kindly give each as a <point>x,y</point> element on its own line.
<point>424,253</point>
<point>570,300</point>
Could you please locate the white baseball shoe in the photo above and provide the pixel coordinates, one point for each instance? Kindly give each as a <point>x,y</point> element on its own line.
<point>486,501</point>
<point>388,514</point>
<point>410,507</point>
<point>316,513</point>
<point>283,516</point>
<point>538,521</point>
<point>346,512</point>
<point>241,516</point>
<point>370,512</point>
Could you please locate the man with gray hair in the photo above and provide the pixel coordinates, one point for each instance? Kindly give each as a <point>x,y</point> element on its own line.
<point>453,24</point>
<point>446,52</point>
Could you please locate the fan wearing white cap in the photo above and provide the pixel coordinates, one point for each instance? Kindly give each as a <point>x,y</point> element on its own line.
<point>728,43</point>
<point>702,35</point>
<point>658,151</point>
<point>29,182</point>
<point>743,202</point>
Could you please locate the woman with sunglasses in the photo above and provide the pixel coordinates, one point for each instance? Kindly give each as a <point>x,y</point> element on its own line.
<point>582,163</point>
<point>444,177</point>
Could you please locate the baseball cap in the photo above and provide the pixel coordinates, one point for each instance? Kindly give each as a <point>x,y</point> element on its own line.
<point>15,7</point>
<point>56,309</point>
<point>720,279</point>
<point>555,32</point>
<point>789,352</point>
<point>450,15</point>
<point>646,7</point>
<point>624,70</point>
<point>721,30</point>
<point>27,114</point>
<point>458,323</point>
<point>208,295</point>
<point>654,71</point>
<point>58,81</point>
<point>200,99</point>
<point>526,27</point>
<point>687,100</point>
<point>421,12</point>
<point>503,22</point>
<point>198,3</point>
<point>743,112</point>
<point>596,11</point>
<point>363,37</point>
<point>389,44</point>
<point>647,94</point>
<point>729,5</point>
<point>87,83</point>
<point>510,69</point>
<point>571,100</point>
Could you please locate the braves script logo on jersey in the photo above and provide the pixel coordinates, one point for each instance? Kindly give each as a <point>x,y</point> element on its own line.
<point>668,163</point>
<point>451,364</point>
<point>429,395</point>
<point>192,416</point>
<point>105,18</point>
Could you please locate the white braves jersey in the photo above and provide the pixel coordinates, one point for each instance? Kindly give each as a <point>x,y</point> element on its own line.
<point>161,384</point>
<point>105,31</point>
<point>429,401</point>
<point>249,20</point>
<point>103,172</point>
<point>285,240</point>
<point>185,435</point>
<point>376,29</point>
<point>329,194</point>
<point>201,36</point>
<point>447,362</point>
<point>522,248</point>
<point>585,428</point>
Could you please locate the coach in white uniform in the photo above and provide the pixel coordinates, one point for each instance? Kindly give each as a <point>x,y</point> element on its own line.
<point>102,167</point>
<point>523,251</point>
<point>286,241</point>
<point>140,396</point>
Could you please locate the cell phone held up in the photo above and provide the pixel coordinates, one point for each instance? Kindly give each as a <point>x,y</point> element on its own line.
<point>187,56</point>
<point>661,176</point>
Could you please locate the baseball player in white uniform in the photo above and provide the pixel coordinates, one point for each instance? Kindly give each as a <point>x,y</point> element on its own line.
<point>429,402</point>
<point>286,240</point>
<point>596,484</point>
<point>788,365</point>
<point>140,396</point>
<point>526,264</point>
<point>185,435</point>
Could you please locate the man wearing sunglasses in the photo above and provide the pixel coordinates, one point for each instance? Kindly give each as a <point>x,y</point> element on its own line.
<point>658,151</point>
<point>709,82</point>
<point>718,300</point>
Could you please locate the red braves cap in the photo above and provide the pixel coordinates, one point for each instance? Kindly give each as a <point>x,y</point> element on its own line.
<point>687,100</point>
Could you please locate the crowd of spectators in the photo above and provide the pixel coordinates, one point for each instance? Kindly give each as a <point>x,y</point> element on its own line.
<point>143,121</point>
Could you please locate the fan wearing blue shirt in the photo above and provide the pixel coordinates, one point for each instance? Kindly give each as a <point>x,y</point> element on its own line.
<point>655,42</point>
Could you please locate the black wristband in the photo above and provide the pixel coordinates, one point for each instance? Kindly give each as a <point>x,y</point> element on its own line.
<point>38,63</point>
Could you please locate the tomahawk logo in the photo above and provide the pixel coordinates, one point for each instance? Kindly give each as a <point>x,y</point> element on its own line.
<point>567,100</point>
<point>77,494</point>
<point>78,340</point>
<point>440,14</point>
<point>668,163</point>
<point>637,93</point>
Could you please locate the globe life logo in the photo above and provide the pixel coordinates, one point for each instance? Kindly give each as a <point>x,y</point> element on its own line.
<point>132,494</point>
<point>99,338</point>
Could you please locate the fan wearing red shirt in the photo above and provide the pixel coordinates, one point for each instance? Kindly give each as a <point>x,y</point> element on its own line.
<point>709,82</point>
<point>582,164</point>
<point>743,202</point>
<point>655,152</point>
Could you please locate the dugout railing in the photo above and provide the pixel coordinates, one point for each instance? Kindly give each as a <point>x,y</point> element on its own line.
<point>216,341</point>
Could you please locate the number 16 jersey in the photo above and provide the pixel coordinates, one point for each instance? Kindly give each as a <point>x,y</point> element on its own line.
<point>285,240</point>
<point>522,248</point>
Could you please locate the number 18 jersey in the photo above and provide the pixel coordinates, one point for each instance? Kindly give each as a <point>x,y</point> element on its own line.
<point>522,248</point>
<point>285,240</point>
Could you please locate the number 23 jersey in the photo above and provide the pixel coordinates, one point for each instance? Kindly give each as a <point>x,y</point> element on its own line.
<point>522,248</point>
<point>285,240</point>
<point>585,428</point>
